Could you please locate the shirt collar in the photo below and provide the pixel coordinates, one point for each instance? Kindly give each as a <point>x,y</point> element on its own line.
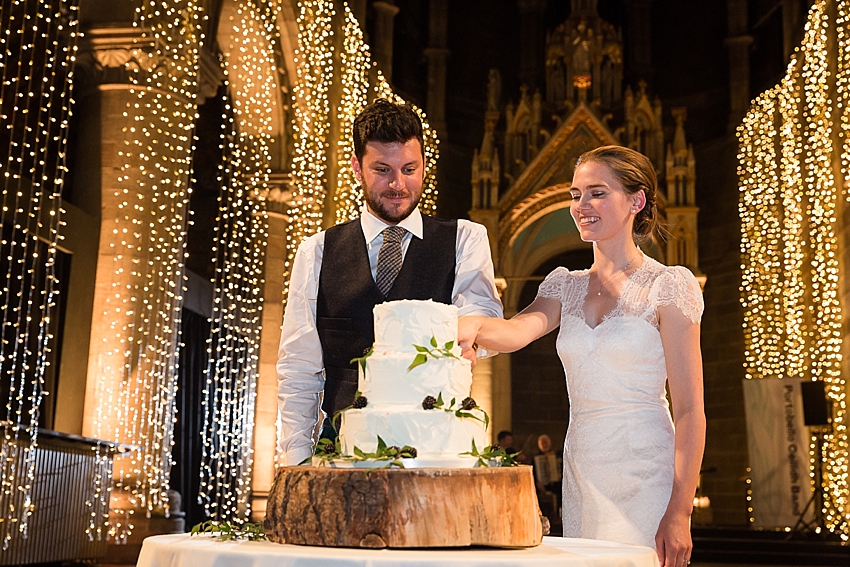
<point>373,226</point>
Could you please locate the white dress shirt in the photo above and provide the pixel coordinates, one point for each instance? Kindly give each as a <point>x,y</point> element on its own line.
<point>300,369</point>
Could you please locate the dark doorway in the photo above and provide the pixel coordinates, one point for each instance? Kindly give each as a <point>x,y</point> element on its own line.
<point>539,399</point>
<point>186,471</point>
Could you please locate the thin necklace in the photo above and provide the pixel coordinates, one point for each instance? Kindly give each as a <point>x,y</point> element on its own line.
<point>617,273</point>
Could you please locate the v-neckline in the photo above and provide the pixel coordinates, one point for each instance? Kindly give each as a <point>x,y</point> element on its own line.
<point>606,316</point>
<point>617,306</point>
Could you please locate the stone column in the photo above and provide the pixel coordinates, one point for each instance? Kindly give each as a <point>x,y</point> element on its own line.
<point>531,40</point>
<point>382,48</point>
<point>133,331</point>
<point>437,54</point>
<point>265,420</point>
<point>738,42</point>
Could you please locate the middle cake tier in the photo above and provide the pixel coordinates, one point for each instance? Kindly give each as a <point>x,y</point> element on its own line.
<point>388,381</point>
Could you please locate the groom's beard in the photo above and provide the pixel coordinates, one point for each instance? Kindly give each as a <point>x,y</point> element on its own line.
<point>392,215</point>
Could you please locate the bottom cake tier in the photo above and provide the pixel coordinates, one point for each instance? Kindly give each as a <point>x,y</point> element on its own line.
<point>435,434</point>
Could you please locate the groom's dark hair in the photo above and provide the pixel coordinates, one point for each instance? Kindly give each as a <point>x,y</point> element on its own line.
<point>386,122</point>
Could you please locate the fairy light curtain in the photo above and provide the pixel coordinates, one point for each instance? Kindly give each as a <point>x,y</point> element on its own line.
<point>37,50</point>
<point>241,236</point>
<point>137,377</point>
<point>789,141</point>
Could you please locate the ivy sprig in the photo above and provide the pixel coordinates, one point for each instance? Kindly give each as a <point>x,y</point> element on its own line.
<point>484,418</point>
<point>226,531</point>
<point>330,450</point>
<point>338,413</point>
<point>492,453</point>
<point>392,454</point>
<point>326,450</point>
<point>361,360</point>
<point>462,412</point>
<point>435,351</point>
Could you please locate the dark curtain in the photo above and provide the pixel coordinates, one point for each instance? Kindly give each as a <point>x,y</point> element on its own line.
<point>185,474</point>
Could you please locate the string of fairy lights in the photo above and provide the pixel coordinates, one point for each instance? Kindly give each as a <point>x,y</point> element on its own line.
<point>311,123</point>
<point>241,236</point>
<point>790,269</point>
<point>136,383</point>
<point>37,56</point>
<point>319,69</point>
<point>842,85</point>
<point>792,237</point>
<point>354,80</point>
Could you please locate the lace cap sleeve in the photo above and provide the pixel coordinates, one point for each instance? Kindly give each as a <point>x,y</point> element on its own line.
<point>678,286</point>
<point>553,286</point>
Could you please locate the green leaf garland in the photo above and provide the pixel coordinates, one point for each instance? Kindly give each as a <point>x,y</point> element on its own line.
<point>226,531</point>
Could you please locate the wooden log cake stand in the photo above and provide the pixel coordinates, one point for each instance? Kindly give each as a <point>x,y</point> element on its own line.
<point>403,508</point>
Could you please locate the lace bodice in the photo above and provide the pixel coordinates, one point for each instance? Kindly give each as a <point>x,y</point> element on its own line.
<point>619,450</point>
<point>651,286</point>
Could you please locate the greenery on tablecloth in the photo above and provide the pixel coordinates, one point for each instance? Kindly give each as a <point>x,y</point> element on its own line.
<point>226,531</point>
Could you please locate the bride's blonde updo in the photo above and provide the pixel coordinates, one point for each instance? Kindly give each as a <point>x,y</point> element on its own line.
<point>635,172</point>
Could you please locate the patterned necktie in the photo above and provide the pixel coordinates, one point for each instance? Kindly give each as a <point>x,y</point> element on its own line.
<point>389,258</point>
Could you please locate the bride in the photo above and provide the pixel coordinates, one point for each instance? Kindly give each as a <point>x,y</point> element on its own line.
<point>628,326</point>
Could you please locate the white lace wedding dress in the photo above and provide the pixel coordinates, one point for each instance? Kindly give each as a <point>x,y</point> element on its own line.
<point>618,454</point>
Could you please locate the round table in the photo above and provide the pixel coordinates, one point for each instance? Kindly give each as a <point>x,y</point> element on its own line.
<point>182,550</point>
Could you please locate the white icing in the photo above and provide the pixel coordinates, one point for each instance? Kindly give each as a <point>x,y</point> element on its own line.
<point>387,380</point>
<point>434,433</point>
<point>401,324</point>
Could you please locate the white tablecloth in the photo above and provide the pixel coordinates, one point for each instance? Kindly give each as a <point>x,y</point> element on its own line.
<point>182,550</point>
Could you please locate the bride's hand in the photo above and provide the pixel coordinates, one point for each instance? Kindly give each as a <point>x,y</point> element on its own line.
<point>673,540</point>
<point>467,332</point>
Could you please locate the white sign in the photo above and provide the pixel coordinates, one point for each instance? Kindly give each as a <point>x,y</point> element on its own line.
<point>778,441</point>
<point>547,468</point>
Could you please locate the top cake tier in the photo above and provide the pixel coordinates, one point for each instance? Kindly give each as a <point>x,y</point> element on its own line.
<point>401,324</point>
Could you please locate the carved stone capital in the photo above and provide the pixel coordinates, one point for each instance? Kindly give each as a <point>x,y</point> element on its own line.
<point>114,55</point>
<point>210,76</point>
<point>386,8</point>
<point>124,56</point>
<point>279,194</point>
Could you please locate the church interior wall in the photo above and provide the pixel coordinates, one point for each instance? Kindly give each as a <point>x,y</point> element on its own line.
<point>722,338</point>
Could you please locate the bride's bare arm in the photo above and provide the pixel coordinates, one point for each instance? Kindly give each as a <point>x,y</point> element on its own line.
<point>536,320</point>
<point>680,338</point>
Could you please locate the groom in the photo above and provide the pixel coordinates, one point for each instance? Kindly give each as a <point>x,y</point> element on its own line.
<point>391,252</point>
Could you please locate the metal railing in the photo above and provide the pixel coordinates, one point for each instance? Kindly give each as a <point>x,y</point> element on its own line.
<point>69,497</point>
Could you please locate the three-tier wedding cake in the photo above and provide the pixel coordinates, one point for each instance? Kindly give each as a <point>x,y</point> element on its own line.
<point>414,389</point>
